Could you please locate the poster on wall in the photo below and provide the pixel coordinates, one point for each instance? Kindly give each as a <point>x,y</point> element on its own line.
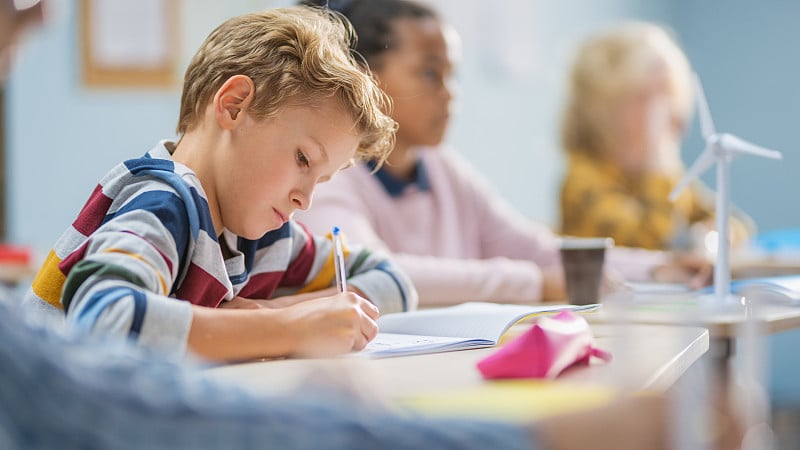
<point>128,43</point>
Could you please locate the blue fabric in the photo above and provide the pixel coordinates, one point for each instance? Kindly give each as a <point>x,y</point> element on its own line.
<point>62,392</point>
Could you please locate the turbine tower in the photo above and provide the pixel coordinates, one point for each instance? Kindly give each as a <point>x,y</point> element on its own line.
<point>721,148</point>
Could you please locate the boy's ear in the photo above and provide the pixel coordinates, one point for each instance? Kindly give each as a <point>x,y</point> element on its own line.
<point>232,98</point>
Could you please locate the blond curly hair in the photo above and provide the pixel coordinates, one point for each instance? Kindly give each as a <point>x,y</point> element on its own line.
<point>297,55</point>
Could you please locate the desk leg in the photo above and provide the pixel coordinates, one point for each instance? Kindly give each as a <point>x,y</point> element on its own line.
<point>722,351</point>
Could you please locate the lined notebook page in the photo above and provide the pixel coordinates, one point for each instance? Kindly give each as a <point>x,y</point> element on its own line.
<point>474,320</point>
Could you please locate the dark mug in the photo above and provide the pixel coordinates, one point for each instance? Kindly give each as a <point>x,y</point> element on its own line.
<point>582,260</point>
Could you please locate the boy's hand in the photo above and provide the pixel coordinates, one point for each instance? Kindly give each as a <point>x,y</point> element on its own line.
<point>332,325</point>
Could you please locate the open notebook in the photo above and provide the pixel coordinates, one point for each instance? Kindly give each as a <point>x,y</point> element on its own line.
<point>775,290</point>
<point>469,325</point>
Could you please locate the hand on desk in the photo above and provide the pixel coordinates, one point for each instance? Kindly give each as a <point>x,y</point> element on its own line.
<point>690,269</point>
<point>331,325</point>
<point>244,329</point>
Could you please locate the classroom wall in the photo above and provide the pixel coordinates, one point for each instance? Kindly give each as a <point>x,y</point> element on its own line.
<point>63,137</point>
<point>747,59</point>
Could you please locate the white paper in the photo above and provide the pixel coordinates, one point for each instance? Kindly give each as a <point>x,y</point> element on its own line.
<point>129,33</point>
<point>469,325</point>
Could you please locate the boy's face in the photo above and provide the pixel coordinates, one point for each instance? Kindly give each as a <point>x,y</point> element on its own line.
<point>417,75</point>
<point>271,167</point>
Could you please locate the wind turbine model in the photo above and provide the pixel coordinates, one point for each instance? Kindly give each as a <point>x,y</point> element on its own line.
<point>720,148</point>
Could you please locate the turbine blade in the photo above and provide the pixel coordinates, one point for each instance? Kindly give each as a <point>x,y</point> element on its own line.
<point>701,164</point>
<point>737,146</point>
<point>706,122</point>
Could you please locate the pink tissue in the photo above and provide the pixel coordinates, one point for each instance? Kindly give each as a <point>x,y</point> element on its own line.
<point>550,346</point>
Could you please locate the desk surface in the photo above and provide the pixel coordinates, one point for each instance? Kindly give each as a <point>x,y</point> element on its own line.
<point>721,323</point>
<point>645,357</point>
<point>745,265</point>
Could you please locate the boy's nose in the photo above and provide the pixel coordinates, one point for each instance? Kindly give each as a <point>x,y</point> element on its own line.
<point>301,201</point>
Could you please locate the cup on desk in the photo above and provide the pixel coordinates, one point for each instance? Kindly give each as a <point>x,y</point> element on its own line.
<point>582,260</point>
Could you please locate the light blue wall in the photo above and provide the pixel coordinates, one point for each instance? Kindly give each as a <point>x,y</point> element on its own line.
<point>746,54</point>
<point>64,137</point>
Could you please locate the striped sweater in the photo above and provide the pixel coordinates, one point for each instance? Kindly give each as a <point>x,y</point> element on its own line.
<point>144,240</point>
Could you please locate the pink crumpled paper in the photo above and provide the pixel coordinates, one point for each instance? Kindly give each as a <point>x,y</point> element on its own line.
<point>550,346</point>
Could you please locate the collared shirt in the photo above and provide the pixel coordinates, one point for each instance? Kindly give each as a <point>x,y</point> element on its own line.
<point>395,187</point>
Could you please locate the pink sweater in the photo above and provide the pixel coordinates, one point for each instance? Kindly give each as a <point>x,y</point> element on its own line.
<point>452,233</point>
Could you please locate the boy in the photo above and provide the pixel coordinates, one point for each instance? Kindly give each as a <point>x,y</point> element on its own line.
<point>273,103</point>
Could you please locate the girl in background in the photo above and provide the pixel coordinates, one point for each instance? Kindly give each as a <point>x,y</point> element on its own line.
<point>630,100</point>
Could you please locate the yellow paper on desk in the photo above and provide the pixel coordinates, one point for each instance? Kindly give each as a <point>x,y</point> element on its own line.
<point>511,400</point>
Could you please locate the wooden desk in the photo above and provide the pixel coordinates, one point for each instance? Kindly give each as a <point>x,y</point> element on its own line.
<point>723,323</point>
<point>744,265</point>
<point>647,357</point>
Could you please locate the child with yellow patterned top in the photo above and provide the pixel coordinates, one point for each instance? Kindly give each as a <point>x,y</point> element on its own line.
<point>629,103</point>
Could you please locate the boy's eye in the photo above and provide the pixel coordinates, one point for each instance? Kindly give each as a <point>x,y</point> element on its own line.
<point>302,161</point>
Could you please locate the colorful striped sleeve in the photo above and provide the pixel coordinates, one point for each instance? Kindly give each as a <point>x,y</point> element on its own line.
<point>126,269</point>
<point>374,274</point>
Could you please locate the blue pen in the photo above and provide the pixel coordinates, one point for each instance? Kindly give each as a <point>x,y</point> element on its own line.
<point>338,261</point>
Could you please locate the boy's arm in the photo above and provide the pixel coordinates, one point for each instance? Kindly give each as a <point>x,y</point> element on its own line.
<point>120,280</point>
<point>371,274</point>
<point>320,327</point>
<point>128,266</point>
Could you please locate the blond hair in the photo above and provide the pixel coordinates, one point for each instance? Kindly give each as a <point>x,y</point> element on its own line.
<point>607,69</point>
<point>299,55</point>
